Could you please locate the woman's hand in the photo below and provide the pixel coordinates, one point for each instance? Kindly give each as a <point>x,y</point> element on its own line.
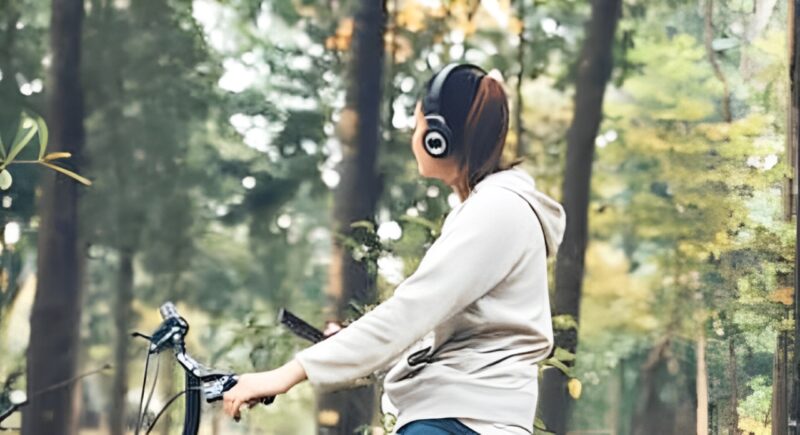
<point>332,327</point>
<point>253,386</point>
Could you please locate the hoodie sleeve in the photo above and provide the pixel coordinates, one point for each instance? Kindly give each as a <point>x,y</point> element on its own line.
<point>475,252</point>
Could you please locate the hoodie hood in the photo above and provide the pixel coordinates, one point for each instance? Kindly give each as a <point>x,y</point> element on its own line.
<point>549,212</point>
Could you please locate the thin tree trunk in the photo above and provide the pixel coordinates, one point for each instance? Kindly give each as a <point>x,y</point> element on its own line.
<point>779,387</point>
<point>122,320</point>
<point>522,148</point>
<point>594,71</point>
<point>702,385</point>
<point>790,182</point>
<point>734,404</point>
<point>712,57</point>
<point>356,199</point>
<point>794,132</point>
<point>754,27</point>
<point>55,318</point>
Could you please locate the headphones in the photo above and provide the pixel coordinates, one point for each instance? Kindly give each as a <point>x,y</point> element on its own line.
<point>438,138</point>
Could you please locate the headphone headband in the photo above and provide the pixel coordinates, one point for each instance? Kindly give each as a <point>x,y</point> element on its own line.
<point>436,88</point>
<point>433,97</point>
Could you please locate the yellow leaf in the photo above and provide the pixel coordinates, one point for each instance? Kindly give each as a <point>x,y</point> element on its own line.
<point>68,173</point>
<point>342,43</point>
<point>574,387</point>
<point>784,295</point>
<point>348,123</point>
<point>328,417</point>
<point>412,17</point>
<point>58,155</point>
<point>438,12</point>
<point>403,49</point>
<point>340,40</point>
<point>330,42</point>
<point>345,29</point>
<point>515,26</point>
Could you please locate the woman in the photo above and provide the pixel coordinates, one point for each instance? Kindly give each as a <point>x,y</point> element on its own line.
<point>461,337</point>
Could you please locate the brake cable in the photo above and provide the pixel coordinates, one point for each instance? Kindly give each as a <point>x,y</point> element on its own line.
<point>144,385</point>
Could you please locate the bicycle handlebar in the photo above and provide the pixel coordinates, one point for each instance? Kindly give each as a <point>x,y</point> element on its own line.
<point>201,380</point>
<point>168,310</point>
<point>214,383</point>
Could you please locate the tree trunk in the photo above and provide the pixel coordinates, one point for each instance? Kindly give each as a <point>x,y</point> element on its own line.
<point>355,199</point>
<point>702,385</point>
<point>732,373</point>
<point>522,148</point>
<point>755,25</point>
<point>780,386</point>
<point>790,182</point>
<point>594,71</point>
<point>56,313</point>
<point>122,320</point>
<point>712,57</point>
<point>664,397</point>
<point>794,134</point>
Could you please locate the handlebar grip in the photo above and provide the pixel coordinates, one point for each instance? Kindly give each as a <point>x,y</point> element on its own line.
<point>267,400</point>
<point>230,382</point>
<point>300,327</point>
<point>168,311</point>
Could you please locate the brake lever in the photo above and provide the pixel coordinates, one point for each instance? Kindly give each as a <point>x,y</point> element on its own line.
<point>213,390</point>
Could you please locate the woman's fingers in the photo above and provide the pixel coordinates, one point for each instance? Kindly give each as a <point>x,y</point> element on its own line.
<point>226,405</point>
<point>236,414</point>
<point>237,403</point>
<point>331,327</point>
<point>231,406</point>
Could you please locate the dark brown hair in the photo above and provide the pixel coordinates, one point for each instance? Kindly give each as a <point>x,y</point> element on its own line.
<point>484,138</point>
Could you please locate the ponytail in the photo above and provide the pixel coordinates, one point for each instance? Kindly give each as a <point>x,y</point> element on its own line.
<point>484,136</point>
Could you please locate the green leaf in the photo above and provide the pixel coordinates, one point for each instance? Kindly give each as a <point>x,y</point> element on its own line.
<point>421,221</point>
<point>721,44</point>
<point>23,139</point>
<point>68,173</point>
<point>559,365</point>
<point>5,179</point>
<point>564,322</point>
<point>539,425</point>
<point>363,224</point>
<point>42,136</point>
<point>562,355</point>
<point>2,148</point>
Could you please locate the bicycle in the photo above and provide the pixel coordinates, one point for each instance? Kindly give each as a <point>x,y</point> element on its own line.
<point>200,380</point>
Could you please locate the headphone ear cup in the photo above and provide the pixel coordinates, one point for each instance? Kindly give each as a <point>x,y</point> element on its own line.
<point>437,138</point>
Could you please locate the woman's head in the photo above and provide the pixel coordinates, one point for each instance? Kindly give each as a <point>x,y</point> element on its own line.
<point>475,108</point>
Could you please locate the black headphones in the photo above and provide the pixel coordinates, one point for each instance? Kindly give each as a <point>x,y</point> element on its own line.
<point>438,138</point>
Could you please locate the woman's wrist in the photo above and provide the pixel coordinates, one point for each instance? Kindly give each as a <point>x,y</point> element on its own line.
<point>295,373</point>
<point>287,376</point>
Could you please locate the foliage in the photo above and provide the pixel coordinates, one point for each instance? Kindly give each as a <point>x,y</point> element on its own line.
<point>212,143</point>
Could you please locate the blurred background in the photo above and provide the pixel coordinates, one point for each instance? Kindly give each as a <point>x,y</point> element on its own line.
<point>248,155</point>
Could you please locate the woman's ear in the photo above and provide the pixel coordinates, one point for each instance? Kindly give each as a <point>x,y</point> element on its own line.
<point>419,118</point>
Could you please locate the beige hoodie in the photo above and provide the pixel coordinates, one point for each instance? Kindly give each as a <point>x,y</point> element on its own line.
<point>461,337</point>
